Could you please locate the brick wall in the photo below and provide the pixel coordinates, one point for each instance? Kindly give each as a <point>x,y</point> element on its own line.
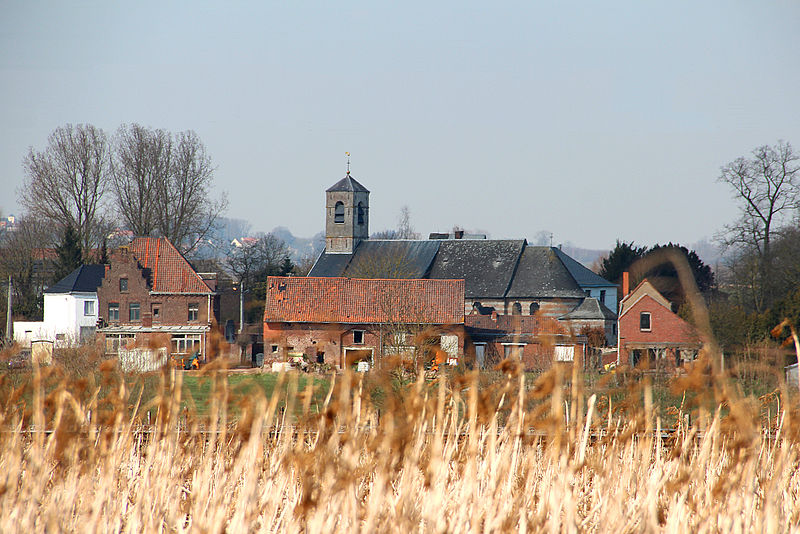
<point>330,341</point>
<point>173,309</point>
<point>665,326</point>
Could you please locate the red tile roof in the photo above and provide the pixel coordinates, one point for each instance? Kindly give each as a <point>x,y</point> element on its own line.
<point>169,270</point>
<point>355,300</point>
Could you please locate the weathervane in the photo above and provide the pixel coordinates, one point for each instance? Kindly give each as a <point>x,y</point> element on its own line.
<point>348,161</point>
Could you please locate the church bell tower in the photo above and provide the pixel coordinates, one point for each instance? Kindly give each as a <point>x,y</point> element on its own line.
<point>346,215</point>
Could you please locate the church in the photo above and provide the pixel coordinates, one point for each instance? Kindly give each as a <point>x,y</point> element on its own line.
<point>503,277</point>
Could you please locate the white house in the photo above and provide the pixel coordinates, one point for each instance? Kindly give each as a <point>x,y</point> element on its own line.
<point>70,310</point>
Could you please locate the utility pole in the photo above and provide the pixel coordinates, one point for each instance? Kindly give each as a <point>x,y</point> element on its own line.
<point>241,305</point>
<point>9,333</point>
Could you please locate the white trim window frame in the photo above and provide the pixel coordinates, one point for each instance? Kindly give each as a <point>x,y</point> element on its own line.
<point>649,321</point>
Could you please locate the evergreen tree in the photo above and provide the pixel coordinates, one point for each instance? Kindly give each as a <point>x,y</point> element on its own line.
<point>620,260</point>
<point>69,253</point>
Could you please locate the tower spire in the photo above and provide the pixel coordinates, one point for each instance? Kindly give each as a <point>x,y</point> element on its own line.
<point>348,162</point>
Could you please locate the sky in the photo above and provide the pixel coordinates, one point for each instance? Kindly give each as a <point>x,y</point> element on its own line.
<point>593,121</point>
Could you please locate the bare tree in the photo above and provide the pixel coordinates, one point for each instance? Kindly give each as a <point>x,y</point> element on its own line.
<point>767,189</point>
<point>142,159</point>
<point>163,185</point>
<point>405,230</point>
<point>24,256</point>
<point>186,209</point>
<point>65,182</point>
<point>251,264</point>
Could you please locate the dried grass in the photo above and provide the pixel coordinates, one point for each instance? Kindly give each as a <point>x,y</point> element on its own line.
<point>449,456</point>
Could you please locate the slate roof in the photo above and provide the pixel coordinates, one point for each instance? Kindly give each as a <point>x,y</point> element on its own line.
<point>392,259</point>
<point>348,183</point>
<point>364,301</point>
<point>329,265</point>
<point>84,279</point>
<point>541,273</point>
<point>491,268</point>
<point>589,308</point>
<point>169,270</point>
<point>378,258</point>
<point>487,266</point>
<point>585,277</point>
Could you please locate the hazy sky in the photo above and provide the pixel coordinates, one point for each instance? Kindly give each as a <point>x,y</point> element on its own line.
<point>595,120</point>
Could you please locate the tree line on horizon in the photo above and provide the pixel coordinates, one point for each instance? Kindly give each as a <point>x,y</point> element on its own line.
<point>85,183</point>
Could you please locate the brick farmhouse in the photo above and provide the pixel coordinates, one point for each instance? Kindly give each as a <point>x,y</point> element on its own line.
<point>151,297</point>
<point>650,332</point>
<point>341,321</point>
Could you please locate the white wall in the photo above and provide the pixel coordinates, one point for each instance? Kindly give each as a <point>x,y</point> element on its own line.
<point>610,300</point>
<point>63,318</point>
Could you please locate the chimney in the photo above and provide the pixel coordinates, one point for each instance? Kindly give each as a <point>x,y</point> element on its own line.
<point>458,234</point>
<point>626,284</point>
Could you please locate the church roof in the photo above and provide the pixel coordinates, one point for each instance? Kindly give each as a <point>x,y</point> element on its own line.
<point>491,268</point>
<point>405,258</point>
<point>582,275</point>
<point>486,265</point>
<point>541,273</point>
<point>348,183</point>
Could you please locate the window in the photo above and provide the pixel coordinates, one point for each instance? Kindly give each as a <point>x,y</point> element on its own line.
<point>123,285</point>
<point>602,295</point>
<point>513,351</point>
<point>194,309</point>
<point>565,353</point>
<point>338,213</point>
<point>644,321</point>
<point>534,307</point>
<point>88,307</point>
<point>358,337</point>
<point>113,311</point>
<point>274,348</point>
<point>186,343</point>
<point>156,312</point>
<point>360,213</point>
<point>61,337</point>
<point>588,292</point>
<point>516,309</point>
<point>134,311</point>
<point>114,342</point>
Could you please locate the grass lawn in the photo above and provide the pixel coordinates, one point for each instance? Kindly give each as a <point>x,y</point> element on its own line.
<point>197,389</point>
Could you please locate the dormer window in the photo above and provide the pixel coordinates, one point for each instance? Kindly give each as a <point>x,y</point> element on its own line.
<point>338,213</point>
<point>360,213</point>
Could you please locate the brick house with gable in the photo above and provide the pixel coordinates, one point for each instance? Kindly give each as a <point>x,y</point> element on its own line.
<point>151,296</point>
<point>649,331</point>
<point>341,321</point>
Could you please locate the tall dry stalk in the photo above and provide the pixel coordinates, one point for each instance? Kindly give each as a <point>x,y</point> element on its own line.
<point>448,456</point>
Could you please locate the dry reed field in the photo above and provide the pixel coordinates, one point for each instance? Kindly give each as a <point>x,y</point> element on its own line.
<point>452,455</point>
